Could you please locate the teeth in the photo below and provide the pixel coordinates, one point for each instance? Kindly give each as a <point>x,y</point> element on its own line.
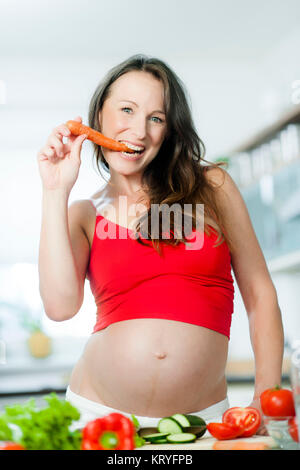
<point>133,147</point>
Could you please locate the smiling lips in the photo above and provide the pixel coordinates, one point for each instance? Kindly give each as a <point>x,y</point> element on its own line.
<point>139,151</point>
<point>132,146</point>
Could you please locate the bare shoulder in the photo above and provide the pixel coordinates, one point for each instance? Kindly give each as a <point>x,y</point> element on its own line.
<point>228,195</point>
<point>81,209</point>
<point>226,191</point>
<point>82,214</point>
<point>216,175</point>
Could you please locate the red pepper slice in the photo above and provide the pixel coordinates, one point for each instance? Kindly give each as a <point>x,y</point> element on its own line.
<point>113,431</point>
<point>247,417</point>
<point>225,430</point>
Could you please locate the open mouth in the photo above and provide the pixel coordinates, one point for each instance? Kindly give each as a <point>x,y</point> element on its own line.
<point>138,151</point>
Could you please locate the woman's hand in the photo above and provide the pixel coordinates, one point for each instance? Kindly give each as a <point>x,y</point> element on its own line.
<point>262,430</point>
<point>59,162</point>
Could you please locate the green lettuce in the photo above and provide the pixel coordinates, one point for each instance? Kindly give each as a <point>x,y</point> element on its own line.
<point>41,429</point>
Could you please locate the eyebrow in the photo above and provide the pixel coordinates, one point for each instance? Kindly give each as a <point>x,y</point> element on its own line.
<point>129,101</point>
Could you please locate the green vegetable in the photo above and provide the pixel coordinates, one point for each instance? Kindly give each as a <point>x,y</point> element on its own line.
<point>135,421</point>
<point>185,428</point>
<point>181,419</point>
<point>138,440</point>
<point>199,431</point>
<point>195,420</point>
<point>169,425</point>
<point>181,438</point>
<point>44,429</point>
<point>157,436</point>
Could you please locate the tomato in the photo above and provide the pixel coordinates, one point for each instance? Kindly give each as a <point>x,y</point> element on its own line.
<point>247,417</point>
<point>224,430</point>
<point>7,445</point>
<point>277,402</point>
<point>293,429</point>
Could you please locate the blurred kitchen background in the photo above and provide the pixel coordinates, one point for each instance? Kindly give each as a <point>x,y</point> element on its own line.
<point>239,60</point>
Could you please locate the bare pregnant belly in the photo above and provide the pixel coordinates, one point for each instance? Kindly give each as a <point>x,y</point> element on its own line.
<point>153,367</point>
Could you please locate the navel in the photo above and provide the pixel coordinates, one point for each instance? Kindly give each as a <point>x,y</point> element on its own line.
<point>160,355</point>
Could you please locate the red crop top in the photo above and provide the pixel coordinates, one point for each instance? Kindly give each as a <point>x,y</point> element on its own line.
<point>129,280</point>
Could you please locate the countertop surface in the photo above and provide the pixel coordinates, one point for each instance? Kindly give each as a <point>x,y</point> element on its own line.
<point>204,443</point>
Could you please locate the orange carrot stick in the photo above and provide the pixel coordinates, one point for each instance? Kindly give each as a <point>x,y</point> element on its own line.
<point>240,445</point>
<point>243,445</point>
<point>78,129</point>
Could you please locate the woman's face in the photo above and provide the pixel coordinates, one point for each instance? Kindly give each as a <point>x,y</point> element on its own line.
<point>134,113</point>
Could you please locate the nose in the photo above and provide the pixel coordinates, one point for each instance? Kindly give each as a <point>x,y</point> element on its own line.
<point>139,128</point>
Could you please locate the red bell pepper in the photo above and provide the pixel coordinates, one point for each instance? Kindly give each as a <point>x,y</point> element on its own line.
<point>113,431</point>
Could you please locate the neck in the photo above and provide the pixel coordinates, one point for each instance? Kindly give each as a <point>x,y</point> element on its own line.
<point>121,185</point>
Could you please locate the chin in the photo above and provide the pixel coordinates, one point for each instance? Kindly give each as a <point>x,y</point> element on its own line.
<point>123,169</point>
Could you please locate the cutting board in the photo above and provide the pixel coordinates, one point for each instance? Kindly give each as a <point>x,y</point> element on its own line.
<point>204,443</point>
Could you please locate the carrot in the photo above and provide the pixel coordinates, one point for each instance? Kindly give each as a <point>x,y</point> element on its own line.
<point>78,129</point>
<point>223,445</point>
<point>241,445</point>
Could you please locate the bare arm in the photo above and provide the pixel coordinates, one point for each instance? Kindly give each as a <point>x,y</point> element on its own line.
<point>255,284</point>
<point>63,256</point>
<point>64,248</point>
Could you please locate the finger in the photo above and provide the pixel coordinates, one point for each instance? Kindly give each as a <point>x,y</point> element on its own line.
<point>41,156</point>
<point>49,153</point>
<point>56,143</point>
<point>61,131</point>
<point>78,144</point>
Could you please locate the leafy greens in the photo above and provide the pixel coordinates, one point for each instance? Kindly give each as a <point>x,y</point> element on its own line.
<point>44,429</point>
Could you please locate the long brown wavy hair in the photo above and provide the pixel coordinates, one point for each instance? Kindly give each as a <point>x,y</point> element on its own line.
<point>176,175</point>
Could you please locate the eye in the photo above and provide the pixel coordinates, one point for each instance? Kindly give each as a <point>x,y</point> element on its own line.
<point>159,120</point>
<point>154,117</point>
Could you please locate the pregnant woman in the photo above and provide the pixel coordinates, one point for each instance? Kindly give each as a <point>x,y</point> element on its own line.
<point>164,303</point>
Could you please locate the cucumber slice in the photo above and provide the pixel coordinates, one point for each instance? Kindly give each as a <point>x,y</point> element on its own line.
<point>199,431</point>
<point>156,436</point>
<point>195,420</point>
<point>169,425</point>
<point>181,419</point>
<point>180,438</point>
<point>161,441</point>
